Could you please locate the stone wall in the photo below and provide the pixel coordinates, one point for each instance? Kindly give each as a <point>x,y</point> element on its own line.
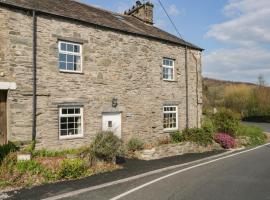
<point>115,65</point>
<point>169,150</point>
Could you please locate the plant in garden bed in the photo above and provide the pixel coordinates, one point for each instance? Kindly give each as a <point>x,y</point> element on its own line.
<point>226,121</point>
<point>135,144</point>
<point>253,134</point>
<point>105,146</point>
<point>225,140</point>
<point>6,149</point>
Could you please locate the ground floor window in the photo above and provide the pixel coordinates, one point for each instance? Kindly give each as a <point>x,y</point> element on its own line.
<point>170,117</point>
<point>70,122</point>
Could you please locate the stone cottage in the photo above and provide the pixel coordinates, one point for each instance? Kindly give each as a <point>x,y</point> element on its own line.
<point>70,70</point>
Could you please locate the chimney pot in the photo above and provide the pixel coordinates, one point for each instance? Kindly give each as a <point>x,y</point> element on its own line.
<point>142,11</point>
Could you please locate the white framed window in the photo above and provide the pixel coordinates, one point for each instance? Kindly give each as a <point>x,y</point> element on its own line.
<point>168,69</point>
<point>70,57</point>
<point>170,118</point>
<point>70,122</point>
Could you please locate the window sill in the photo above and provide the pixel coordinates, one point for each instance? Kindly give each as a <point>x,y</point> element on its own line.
<point>173,81</point>
<point>70,137</point>
<point>70,72</point>
<point>170,130</point>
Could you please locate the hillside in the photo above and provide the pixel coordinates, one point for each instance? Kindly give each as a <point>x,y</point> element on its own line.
<point>248,99</point>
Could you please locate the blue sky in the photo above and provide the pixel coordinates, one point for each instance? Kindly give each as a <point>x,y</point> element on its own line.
<point>234,33</point>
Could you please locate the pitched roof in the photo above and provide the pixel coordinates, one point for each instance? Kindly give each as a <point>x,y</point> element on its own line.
<point>89,14</point>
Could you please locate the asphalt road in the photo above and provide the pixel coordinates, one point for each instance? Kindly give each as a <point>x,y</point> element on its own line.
<point>242,177</point>
<point>264,126</point>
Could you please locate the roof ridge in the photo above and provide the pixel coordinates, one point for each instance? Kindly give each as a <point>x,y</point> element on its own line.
<point>98,8</point>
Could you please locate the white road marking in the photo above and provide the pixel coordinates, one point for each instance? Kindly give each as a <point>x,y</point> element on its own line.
<point>92,188</point>
<point>182,170</point>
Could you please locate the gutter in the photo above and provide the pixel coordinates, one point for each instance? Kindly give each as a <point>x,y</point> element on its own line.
<point>187,88</point>
<point>34,116</point>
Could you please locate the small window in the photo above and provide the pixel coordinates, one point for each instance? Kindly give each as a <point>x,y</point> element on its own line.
<point>170,119</point>
<point>70,122</point>
<point>70,57</point>
<point>168,69</point>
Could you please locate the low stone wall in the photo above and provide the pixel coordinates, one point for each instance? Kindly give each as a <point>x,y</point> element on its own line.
<point>169,150</point>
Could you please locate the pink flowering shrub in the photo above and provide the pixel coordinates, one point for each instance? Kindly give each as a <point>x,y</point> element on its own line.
<point>225,140</point>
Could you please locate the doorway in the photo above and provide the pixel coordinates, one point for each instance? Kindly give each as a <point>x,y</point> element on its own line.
<point>112,122</point>
<point>3,117</point>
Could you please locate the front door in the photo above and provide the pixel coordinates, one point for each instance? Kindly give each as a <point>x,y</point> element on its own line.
<point>112,122</point>
<point>3,117</point>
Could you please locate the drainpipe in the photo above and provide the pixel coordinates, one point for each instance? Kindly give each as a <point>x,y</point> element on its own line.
<point>187,98</point>
<point>34,118</point>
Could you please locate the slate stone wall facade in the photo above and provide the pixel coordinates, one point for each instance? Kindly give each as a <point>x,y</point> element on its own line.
<point>115,65</point>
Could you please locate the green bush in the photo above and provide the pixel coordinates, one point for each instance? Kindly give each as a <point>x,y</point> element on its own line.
<point>255,134</point>
<point>30,166</point>
<point>8,164</point>
<point>6,149</point>
<point>177,137</point>
<point>135,144</point>
<point>198,135</point>
<point>106,146</point>
<point>226,121</point>
<point>208,126</point>
<point>72,168</point>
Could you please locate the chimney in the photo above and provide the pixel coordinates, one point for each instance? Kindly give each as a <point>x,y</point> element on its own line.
<point>142,11</point>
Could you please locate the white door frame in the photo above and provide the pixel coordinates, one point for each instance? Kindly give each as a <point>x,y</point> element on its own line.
<point>115,118</point>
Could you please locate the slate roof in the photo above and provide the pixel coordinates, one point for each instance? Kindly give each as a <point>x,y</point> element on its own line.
<point>85,13</point>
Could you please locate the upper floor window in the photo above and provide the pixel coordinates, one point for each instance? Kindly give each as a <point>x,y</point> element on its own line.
<point>70,57</point>
<point>170,118</point>
<point>70,122</point>
<point>168,69</point>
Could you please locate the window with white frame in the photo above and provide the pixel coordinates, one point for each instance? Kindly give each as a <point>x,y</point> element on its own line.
<point>170,117</point>
<point>70,56</point>
<point>70,122</point>
<point>168,69</point>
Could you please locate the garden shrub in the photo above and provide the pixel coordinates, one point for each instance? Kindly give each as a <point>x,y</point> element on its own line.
<point>255,134</point>
<point>8,164</point>
<point>226,121</point>
<point>72,168</point>
<point>135,144</point>
<point>208,126</point>
<point>225,140</point>
<point>198,135</point>
<point>106,146</point>
<point>29,166</point>
<point>6,149</point>
<point>177,137</point>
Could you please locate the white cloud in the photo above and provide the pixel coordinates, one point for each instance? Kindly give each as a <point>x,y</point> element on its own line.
<point>174,11</point>
<point>243,64</point>
<point>246,32</point>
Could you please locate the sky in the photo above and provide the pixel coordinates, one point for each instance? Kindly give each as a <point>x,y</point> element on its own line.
<point>234,33</point>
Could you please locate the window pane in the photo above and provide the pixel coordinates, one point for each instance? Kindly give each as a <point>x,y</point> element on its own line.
<point>77,48</point>
<point>71,132</point>
<point>64,111</point>
<point>63,132</point>
<point>63,120</point>
<point>71,125</point>
<point>62,65</point>
<point>63,46</point>
<point>70,58</point>
<point>70,66</point>
<point>77,110</point>
<point>70,47</point>
<point>71,111</point>
<point>71,120</point>
<point>63,126</point>
<point>62,57</point>
<point>77,59</point>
